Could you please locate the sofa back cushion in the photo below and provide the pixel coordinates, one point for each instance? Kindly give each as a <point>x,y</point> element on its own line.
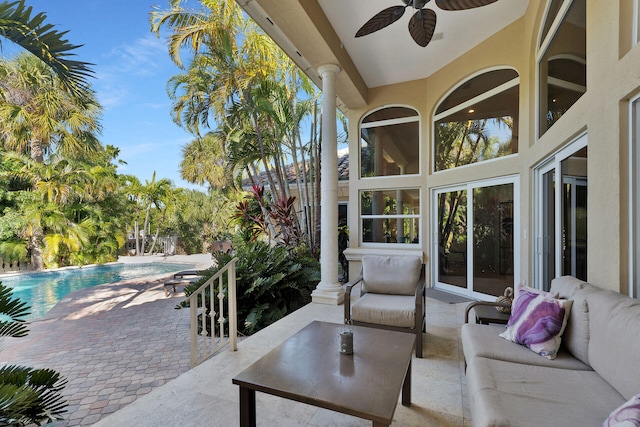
<point>614,347</point>
<point>566,286</point>
<point>576,335</point>
<point>394,275</point>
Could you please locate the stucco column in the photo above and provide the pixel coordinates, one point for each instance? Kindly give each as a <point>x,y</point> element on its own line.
<point>329,290</point>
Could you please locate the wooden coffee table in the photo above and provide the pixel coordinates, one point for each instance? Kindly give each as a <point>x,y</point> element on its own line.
<point>308,368</point>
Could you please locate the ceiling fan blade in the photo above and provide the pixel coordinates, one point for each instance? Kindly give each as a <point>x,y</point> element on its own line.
<point>380,20</point>
<point>462,4</point>
<point>422,25</point>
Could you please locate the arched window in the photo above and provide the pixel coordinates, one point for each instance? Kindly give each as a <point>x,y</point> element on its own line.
<point>390,143</point>
<point>562,60</point>
<point>478,121</point>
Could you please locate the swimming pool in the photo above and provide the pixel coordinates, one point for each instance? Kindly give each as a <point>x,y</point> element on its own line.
<point>45,289</point>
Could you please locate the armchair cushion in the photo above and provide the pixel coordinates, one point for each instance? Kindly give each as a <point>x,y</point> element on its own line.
<point>391,275</point>
<point>390,310</point>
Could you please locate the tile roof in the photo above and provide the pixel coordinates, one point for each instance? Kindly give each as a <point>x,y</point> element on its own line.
<point>343,172</point>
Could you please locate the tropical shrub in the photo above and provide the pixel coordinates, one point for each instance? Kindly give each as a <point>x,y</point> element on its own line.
<point>27,395</point>
<point>271,282</point>
<point>276,219</point>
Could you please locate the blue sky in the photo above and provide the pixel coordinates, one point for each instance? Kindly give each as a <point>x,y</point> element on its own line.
<point>132,68</point>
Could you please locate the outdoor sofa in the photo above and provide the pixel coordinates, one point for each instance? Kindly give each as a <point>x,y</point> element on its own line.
<point>593,381</point>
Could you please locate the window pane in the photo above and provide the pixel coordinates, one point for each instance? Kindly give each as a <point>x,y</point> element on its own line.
<point>389,114</point>
<point>390,150</point>
<point>563,71</point>
<point>574,227</point>
<point>553,9</point>
<point>390,230</point>
<point>402,209</point>
<point>485,130</point>
<point>475,87</point>
<point>452,238</point>
<point>493,262</point>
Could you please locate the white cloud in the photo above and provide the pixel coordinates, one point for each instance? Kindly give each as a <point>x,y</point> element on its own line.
<point>142,57</point>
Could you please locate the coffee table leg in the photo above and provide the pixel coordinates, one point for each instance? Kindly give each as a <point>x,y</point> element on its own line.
<point>406,387</point>
<point>379,424</point>
<point>247,407</point>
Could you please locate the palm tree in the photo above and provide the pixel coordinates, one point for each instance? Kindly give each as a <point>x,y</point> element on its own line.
<point>203,161</point>
<point>243,82</point>
<point>38,115</point>
<point>34,35</point>
<point>223,74</point>
<point>71,210</point>
<point>154,192</point>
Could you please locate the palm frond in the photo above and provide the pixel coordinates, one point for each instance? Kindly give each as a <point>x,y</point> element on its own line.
<point>15,310</point>
<point>30,396</point>
<point>19,26</point>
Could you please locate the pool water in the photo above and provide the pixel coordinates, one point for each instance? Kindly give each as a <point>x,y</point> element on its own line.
<point>43,290</point>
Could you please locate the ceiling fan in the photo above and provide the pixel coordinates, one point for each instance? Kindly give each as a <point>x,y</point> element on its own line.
<point>423,23</point>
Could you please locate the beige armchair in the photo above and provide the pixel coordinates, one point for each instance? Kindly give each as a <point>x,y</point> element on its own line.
<point>392,295</point>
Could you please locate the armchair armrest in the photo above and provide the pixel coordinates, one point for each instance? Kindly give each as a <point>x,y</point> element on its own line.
<point>482,303</point>
<point>420,300</point>
<point>347,297</point>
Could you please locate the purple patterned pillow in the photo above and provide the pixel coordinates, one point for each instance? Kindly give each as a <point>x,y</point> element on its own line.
<point>627,415</point>
<point>538,321</point>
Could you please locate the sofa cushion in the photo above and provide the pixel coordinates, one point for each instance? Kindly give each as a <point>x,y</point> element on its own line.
<point>537,321</point>
<point>626,415</point>
<point>566,286</point>
<point>398,275</point>
<point>484,341</point>
<point>391,310</point>
<point>614,347</point>
<point>576,335</point>
<point>516,395</point>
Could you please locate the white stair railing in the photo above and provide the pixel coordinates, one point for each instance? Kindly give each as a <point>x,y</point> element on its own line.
<point>207,307</point>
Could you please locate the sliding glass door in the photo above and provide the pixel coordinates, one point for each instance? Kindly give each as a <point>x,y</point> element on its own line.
<point>476,237</point>
<point>561,215</point>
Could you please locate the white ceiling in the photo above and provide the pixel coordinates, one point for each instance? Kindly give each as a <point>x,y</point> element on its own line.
<point>391,56</point>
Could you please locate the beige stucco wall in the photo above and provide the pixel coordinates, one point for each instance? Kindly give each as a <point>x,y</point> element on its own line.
<point>613,77</point>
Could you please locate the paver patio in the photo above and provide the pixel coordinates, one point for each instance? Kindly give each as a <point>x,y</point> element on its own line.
<point>114,343</point>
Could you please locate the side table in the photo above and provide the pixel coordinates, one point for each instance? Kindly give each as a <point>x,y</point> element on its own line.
<point>488,314</point>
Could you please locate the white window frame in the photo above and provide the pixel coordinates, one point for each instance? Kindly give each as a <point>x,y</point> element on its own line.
<point>634,197</point>
<point>636,23</point>
<point>389,122</point>
<point>396,245</point>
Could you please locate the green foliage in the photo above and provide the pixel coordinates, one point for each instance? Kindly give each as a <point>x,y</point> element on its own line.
<point>27,395</point>
<point>271,282</point>
<point>32,33</point>
<point>13,312</point>
<point>30,396</point>
<point>200,218</point>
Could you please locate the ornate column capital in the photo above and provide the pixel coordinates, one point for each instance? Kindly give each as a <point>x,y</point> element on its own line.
<point>329,68</point>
